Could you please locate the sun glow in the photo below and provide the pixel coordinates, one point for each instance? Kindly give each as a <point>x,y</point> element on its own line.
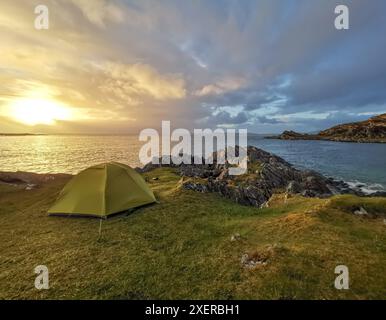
<point>39,111</point>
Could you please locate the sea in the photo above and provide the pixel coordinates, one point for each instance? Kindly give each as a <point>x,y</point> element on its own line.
<point>361,165</point>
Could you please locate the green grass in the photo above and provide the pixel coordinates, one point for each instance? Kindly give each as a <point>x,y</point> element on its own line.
<point>181,247</point>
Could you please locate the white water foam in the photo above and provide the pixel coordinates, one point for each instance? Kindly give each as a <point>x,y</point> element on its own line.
<point>366,188</point>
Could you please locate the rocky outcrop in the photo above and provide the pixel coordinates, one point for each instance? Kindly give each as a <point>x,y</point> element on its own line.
<point>372,130</point>
<point>266,175</point>
<point>293,135</point>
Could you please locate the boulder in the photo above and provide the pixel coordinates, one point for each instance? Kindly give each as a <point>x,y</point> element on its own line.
<point>378,194</point>
<point>315,185</point>
<point>361,212</point>
<point>235,237</point>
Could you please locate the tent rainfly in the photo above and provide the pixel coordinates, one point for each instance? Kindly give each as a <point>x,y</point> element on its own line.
<point>103,190</point>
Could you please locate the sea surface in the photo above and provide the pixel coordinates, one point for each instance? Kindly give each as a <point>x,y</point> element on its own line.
<point>360,164</point>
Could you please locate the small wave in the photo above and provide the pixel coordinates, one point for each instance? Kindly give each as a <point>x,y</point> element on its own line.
<point>366,188</point>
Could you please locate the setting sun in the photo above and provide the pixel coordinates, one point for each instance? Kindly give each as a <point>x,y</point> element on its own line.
<point>38,111</point>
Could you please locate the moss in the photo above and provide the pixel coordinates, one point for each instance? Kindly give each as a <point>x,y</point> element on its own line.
<point>182,248</point>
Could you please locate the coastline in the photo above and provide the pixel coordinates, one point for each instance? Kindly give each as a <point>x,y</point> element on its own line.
<point>21,134</point>
<point>307,137</point>
<point>29,180</point>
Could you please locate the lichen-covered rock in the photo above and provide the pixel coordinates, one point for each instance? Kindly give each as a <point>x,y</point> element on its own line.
<point>195,186</point>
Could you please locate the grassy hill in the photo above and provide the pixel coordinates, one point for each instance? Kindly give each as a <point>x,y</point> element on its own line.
<point>182,248</point>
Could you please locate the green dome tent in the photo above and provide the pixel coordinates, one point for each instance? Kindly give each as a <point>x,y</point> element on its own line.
<point>103,190</point>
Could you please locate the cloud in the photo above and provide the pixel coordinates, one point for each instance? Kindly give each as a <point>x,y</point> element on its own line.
<point>140,80</point>
<point>221,87</point>
<point>266,65</point>
<point>224,119</point>
<point>265,120</point>
<point>100,12</point>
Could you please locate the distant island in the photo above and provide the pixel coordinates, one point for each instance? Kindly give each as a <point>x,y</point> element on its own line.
<point>372,130</point>
<point>21,134</point>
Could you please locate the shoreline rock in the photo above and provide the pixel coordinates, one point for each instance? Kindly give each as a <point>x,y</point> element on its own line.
<point>267,174</point>
<point>28,180</point>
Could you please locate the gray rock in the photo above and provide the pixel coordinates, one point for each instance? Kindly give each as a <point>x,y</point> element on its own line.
<point>294,187</point>
<point>195,186</point>
<point>30,186</point>
<point>361,212</point>
<point>257,186</point>
<point>378,194</point>
<point>251,262</point>
<point>235,237</point>
<point>316,185</point>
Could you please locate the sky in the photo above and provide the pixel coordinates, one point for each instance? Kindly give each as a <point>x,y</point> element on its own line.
<point>120,66</point>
